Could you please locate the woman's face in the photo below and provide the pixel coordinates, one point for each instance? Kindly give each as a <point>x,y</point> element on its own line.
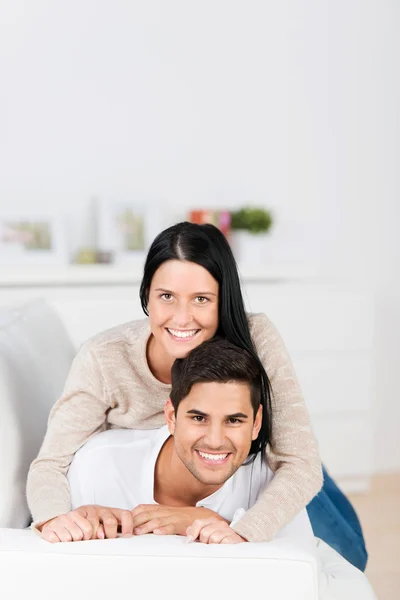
<point>183,307</point>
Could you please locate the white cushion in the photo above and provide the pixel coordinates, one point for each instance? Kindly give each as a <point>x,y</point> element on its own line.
<point>35,357</point>
<point>159,567</point>
<point>155,568</point>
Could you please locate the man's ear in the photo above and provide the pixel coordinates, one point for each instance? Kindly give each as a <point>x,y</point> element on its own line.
<point>257,423</point>
<point>169,413</point>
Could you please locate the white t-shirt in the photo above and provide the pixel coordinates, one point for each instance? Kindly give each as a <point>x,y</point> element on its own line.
<point>116,468</point>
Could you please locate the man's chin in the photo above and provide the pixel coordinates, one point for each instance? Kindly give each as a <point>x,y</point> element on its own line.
<point>212,482</point>
<point>212,479</point>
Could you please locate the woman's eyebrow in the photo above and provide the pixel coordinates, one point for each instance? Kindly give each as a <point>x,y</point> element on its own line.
<point>195,294</point>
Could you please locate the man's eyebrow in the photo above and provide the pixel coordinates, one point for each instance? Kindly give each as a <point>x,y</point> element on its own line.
<point>238,415</point>
<point>165,291</point>
<point>195,411</point>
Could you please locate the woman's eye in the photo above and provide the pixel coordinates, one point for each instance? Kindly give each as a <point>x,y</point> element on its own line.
<point>202,300</point>
<point>166,296</point>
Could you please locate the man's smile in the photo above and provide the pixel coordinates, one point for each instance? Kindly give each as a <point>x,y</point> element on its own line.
<point>213,458</point>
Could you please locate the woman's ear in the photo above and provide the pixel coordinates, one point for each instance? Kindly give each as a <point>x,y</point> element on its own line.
<point>257,423</point>
<point>169,413</point>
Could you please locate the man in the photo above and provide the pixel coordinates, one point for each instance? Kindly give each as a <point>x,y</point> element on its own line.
<point>194,475</point>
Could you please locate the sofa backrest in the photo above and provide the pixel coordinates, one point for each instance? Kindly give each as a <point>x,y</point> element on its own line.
<point>35,357</point>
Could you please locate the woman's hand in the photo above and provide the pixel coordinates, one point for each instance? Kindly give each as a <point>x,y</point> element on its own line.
<point>168,520</point>
<point>213,531</point>
<point>88,523</point>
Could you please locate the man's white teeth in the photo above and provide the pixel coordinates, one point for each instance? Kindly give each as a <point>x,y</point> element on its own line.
<point>212,456</point>
<point>182,334</point>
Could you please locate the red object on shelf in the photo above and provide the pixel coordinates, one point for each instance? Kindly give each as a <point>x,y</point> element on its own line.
<point>219,218</point>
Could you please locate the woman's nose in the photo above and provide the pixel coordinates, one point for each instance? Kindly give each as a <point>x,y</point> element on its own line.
<point>183,316</point>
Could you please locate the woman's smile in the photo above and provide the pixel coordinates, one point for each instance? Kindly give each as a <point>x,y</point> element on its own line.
<point>182,335</point>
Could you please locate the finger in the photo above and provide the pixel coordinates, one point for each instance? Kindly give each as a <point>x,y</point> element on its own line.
<point>232,539</point>
<point>206,533</point>
<point>145,517</point>
<point>68,523</point>
<point>100,532</point>
<point>63,534</point>
<point>65,523</point>
<point>50,535</point>
<point>194,529</point>
<point>217,536</point>
<point>171,525</point>
<point>110,522</point>
<point>92,515</point>
<point>126,521</point>
<point>166,530</point>
<point>148,527</point>
<point>85,525</point>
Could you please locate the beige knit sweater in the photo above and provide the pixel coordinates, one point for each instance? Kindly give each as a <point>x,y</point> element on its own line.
<point>110,385</point>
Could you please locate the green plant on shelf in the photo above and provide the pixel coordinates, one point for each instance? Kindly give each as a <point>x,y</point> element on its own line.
<point>253,220</point>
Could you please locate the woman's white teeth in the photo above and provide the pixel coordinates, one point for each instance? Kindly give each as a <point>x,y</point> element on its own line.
<point>212,456</point>
<point>182,334</point>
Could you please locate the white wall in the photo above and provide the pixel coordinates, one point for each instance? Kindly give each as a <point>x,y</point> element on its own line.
<point>219,103</point>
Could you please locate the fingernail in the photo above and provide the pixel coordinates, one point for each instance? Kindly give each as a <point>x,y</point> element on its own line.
<point>137,530</point>
<point>189,539</point>
<point>100,534</point>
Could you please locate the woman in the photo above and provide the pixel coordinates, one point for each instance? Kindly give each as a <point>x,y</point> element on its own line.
<point>121,378</point>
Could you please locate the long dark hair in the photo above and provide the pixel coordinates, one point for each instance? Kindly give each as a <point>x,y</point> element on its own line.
<point>207,246</point>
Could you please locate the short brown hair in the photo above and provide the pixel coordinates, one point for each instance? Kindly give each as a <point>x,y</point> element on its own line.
<point>217,360</point>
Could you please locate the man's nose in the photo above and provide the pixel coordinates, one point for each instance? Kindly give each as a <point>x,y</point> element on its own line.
<point>215,437</point>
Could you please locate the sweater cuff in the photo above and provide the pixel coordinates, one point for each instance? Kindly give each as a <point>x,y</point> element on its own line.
<point>255,528</point>
<point>35,526</point>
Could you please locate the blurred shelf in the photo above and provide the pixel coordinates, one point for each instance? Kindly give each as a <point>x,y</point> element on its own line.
<point>104,275</point>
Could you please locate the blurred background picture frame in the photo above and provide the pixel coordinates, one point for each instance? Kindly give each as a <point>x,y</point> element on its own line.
<point>122,230</point>
<point>32,239</point>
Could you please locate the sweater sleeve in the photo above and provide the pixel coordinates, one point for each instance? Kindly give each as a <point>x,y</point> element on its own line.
<point>293,452</point>
<point>77,415</point>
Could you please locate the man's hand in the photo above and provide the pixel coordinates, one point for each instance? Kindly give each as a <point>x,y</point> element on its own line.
<point>88,523</point>
<point>168,520</point>
<point>213,531</point>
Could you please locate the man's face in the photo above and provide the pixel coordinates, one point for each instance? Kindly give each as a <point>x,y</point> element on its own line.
<point>213,429</point>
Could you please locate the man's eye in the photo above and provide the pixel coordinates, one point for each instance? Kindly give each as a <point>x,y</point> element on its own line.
<point>234,421</point>
<point>198,418</point>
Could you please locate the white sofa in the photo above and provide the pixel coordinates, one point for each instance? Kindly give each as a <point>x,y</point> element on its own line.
<point>35,355</point>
